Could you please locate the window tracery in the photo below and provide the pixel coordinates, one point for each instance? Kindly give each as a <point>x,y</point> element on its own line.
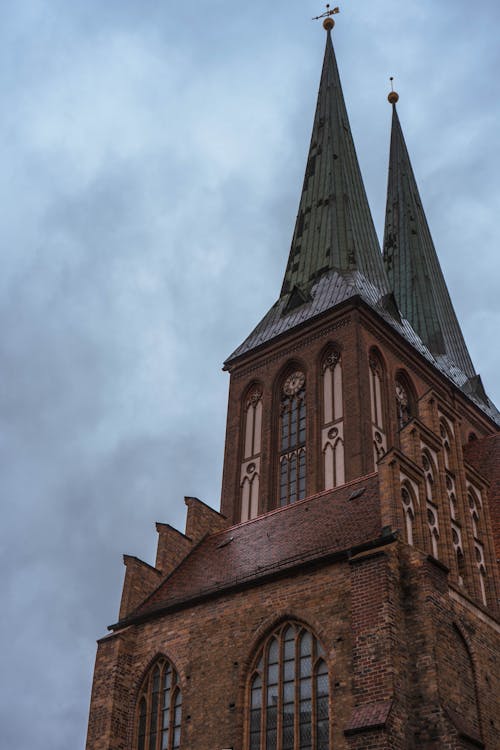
<point>377,406</point>
<point>250,467</point>
<point>292,460</point>
<point>333,420</point>
<point>159,709</point>
<point>289,693</point>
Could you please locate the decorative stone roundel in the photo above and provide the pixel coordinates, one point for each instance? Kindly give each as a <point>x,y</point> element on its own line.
<point>254,396</point>
<point>331,360</point>
<point>294,383</point>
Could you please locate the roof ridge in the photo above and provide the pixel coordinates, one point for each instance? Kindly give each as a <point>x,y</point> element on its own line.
<point>298,503</point>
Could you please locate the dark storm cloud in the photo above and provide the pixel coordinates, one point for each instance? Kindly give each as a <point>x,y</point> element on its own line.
<point>152,159</point>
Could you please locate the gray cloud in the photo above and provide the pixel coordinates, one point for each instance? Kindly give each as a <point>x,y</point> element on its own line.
<point>152,159</point>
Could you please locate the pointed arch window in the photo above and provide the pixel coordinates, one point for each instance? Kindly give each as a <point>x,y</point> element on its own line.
<point>432,511</point>
<point>377,406</point>
<point>159,709</point>
<point>446,441</point>
<point>456,536</point>
<point>332,433</point>
<point>292,439</point>
<point>289,693</point>
<point>250,466</point>
<point>408,503</point>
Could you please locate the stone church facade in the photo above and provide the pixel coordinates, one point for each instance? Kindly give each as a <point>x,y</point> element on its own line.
<point>346,595</point>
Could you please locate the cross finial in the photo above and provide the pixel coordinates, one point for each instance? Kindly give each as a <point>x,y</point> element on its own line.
<point>328,23</point>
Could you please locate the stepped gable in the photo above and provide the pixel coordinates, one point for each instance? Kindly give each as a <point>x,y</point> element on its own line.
<point>319,526</point>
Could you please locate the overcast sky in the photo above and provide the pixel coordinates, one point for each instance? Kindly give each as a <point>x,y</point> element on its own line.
<point>152,156</point>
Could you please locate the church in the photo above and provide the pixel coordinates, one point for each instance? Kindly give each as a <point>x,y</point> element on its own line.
<point>346,596</point>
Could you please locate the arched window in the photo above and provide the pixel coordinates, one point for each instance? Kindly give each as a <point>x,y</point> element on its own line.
<point>408,503</point>
<point>292,439</point>
<point>250,466</point>
<point>456,535</point>
<point>432,511</point>
<point>159,709</point>
<point>474,505</point>
<point>452,495</point>
<point>481,566</point>
<point>332,433</point>
<point>289,693</point>
<point>446,440</point>
<point>377,406</point>
<point>405,401</point>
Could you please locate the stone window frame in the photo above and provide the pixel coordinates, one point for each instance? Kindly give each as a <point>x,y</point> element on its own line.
<point>284,673</point>
<point>377,373</point>
<point>250,450</point>
<point>158,720</point>
<point>332,416</point>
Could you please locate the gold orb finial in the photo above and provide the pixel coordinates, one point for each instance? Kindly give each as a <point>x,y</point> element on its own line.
<point>328,24</point>
<point>393,97</point>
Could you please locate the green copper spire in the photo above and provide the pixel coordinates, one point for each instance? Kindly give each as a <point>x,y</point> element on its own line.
<point>334,228</point>
<point>412,264</point>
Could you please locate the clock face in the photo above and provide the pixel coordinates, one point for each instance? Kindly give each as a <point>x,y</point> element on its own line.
<point>294,383</point>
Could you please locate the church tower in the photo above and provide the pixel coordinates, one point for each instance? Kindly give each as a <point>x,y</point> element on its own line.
<point>346,595</point>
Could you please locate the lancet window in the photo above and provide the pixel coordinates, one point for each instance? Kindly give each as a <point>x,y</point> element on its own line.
<point>431,507</point>
<point>446,441</point>
<point>159,709</point>
<point>377,406</point>
<point>292,439</point>
<point>408,503</point>
<point>250,466</point>
<point>474,506</point>
<point>481,567</point>
<point>456,535</point>
<point>289,693</point>
<point>332,433</point>
<point>452,495</point>
<point>405,408</point>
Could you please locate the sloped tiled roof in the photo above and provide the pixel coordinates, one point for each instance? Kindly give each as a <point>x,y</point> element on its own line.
<point>308,530</point>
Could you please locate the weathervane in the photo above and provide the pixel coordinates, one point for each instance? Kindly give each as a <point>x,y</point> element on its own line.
<point>328,23</point>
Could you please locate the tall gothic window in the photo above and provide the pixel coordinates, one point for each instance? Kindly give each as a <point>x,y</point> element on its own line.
<point>377,406</point>
<point>405,408</point>
<point>332,432</point>
<point>408,503</point>
<point>431,503</point>
<point>292,439</point>
<point>444,431</point>
<point>289,693</point>
<point>250,465</point>
<point>159,709</point>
